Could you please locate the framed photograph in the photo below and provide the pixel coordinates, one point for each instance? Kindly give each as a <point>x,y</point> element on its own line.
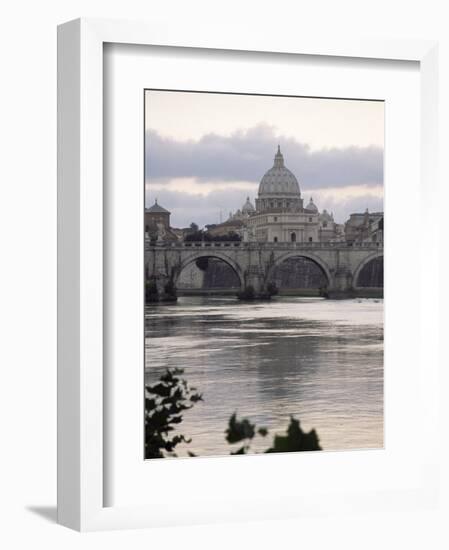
<point>239,335</point>
<point>252,283</point>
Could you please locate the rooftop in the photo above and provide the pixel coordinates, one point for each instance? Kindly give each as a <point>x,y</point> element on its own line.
<point>157,208</point>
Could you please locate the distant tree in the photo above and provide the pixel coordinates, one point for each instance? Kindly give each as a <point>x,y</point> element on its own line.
<point>231,236</point>
<point>205,236</point>
<point>194,226</point>
<point>195,236</point>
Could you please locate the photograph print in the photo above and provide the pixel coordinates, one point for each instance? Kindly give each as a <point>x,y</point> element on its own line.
<point>264,314</point>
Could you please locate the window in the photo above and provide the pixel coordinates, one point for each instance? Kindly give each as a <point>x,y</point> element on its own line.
<point>275,218</point>
<point>310,219</point>
<point>310,239</point>
<point>324,224</point>
<point>293,237</point>
<point>275,240</point>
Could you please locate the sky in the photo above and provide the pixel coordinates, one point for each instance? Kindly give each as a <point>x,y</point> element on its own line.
<point>206,152</point>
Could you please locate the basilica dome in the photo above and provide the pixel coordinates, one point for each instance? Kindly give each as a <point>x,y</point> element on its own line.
<point>248,208</point>
<point>325,216</point>
<point>279,180</point>
<point>312,206</point>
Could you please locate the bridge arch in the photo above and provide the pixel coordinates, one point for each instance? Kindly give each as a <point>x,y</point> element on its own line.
<point>302,254</point>
<point>210,254</point>
<point>362,264</point>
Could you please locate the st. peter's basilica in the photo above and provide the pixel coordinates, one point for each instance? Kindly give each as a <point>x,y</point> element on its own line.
<point>279,215</point>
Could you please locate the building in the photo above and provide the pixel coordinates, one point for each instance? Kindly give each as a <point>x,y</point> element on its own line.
<point>157,223</point>
<point>330,231</point>
<point>233,226</point>
<point>365,227</point>
<point>279,214</point>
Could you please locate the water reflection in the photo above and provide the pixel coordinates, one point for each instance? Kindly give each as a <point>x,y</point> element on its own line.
<point>320,360</point>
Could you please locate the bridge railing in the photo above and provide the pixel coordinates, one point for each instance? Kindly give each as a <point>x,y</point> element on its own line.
<point>262,246</point>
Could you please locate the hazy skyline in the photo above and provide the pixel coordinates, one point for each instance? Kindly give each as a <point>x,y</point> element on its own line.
<point>205,153</point>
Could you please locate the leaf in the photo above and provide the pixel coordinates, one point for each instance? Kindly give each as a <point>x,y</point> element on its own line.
<point>160,389</point>
<point>239,430</point>
<point>295,440</point>
<point>172,395</point>
<point>196,397</point>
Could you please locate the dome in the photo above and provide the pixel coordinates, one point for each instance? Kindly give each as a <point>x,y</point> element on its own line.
<point>157,208</point>
<point>326,217</point>
<point>248,208</point>
<point>279,180</point>
<point>312,206</point>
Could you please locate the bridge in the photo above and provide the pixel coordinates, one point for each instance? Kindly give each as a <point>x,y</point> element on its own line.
<point>255,262</point>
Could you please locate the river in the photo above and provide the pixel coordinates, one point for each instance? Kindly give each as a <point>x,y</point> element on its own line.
<point>319,360</point>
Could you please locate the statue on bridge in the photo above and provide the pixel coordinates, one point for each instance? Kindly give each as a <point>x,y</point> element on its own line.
<point>249,235</point>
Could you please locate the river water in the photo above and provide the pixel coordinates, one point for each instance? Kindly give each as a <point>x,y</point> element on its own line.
<point>319,360</point>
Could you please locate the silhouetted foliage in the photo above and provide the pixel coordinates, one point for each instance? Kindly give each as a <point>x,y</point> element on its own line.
<point>240,430</point>
<point>194,226</point>
<point>295,440</point>
<point>164,403</point>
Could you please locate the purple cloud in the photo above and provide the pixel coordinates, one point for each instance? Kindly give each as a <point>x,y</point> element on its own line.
<point>246,155</point>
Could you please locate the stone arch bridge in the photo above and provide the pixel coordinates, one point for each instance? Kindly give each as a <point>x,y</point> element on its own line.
<point>255,262</point>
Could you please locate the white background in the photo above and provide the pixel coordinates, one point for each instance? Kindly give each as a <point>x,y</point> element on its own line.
<point>28,274</point>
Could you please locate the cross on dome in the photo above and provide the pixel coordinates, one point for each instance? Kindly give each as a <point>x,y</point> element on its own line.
<point>279,159</point>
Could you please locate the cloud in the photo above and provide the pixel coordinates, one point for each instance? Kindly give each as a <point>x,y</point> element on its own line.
<point>245,155</point>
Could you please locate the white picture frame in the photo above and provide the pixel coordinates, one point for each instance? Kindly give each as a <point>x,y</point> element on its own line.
<point>81,399</point>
